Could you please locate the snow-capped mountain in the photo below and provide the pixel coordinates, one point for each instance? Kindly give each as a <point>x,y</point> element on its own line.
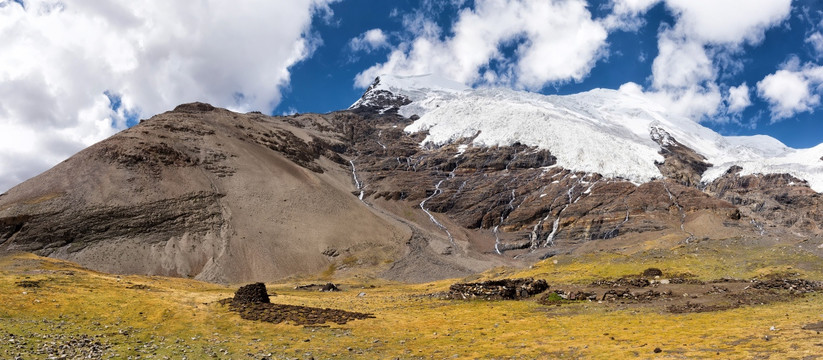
<point>602,131</point>
<point>421,179</point>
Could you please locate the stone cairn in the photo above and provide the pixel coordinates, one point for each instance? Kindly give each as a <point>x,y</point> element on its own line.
<point>252,294</point>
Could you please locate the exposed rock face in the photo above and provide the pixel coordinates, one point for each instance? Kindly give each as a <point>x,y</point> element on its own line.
<point>379,101</point>
<point>204,192</point>
<point>771,202</point>
<point>682,165</point>
<point>518,197</point>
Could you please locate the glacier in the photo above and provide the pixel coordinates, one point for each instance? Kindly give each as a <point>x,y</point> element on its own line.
<point>599,131</point>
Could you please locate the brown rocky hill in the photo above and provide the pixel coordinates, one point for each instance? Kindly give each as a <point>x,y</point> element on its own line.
<point>201,192</point>
<point>226,197</point>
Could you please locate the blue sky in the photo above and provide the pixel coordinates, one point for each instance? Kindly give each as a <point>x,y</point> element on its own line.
<point>75,72</point>
<point>324,82</point>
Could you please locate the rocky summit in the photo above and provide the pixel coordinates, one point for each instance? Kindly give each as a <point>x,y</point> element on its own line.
<point>419,180</point>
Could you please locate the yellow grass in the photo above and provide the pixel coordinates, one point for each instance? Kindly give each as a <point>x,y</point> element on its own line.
<point>177,315</point>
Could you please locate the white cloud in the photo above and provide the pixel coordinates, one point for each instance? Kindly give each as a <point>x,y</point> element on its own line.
<point>728,22</point>
<point>626,14</point>
<point>738,98</point>
<point>680,63</point>
<point>816,41</point>
<point>559,41</point>
<point>789,91</point>
<point>632,6</point>
<point>58,58</point>
<point>704,42</point>
<point>369,41</point>
<point>554,41</point>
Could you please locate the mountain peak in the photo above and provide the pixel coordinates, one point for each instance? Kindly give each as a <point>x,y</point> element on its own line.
<point>389,93</point>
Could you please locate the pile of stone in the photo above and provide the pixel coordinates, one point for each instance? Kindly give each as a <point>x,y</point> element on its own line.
<point>577,295</point>
<point>623,282</point>
<point>252,303</point>
<point>507,289</point>
<point>251,294</point>
<point>328,287</point>
<point>626,295</point>
<point>800,286</point>
<point>612,295</point>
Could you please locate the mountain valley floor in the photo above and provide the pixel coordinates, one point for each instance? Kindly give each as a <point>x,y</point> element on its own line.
<point>727,299</point>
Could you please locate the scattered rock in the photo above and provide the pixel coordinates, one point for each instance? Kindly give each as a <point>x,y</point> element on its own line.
<point>559,296</point>
<point>623,282</point>
<point>331,252</point>
<point>615,295</point>
<point>318,287</point>
<point>507,289</point>
<point>28,283</point>
<point>717,290</point>
<point>329,287</point>
<point>792,285</point>
<point>582,295</point>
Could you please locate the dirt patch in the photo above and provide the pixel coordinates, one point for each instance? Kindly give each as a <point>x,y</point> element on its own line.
<point>299,315</point>
<point>683,294</point>
<point>690,307</point>
<point>818,326</point>
<point>507,289</point>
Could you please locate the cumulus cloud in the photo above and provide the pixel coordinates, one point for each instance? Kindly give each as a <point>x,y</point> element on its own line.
<point>705,40</point>
<point>63,63</point>
<point>738,98</point>
<point>633,7</point>
<point>816,41</point>
<point>728,22</point>
<point>626,14</point>
<point>554,41</point>
<point>559,41</point>
<point>791,90</point>
<point>369,41</point>
<point>681,62</point>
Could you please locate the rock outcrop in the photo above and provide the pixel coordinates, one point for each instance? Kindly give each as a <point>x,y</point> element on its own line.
<point>220,196</point>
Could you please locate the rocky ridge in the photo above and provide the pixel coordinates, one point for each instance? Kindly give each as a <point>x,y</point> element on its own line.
<point>207,193</point>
